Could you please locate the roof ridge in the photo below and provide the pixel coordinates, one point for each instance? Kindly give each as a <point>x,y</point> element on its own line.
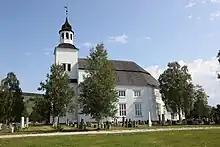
<point>84,58</point>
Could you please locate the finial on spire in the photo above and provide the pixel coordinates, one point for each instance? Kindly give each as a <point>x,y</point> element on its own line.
<point>66,8</point>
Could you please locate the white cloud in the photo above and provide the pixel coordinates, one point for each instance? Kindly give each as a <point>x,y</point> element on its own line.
<point>198,17</point>
<point>47,53</point>
<point>190,4</point>
<point>190,16</point>
<point>148,38</point>
<point>88,44</point>
<point>27,54</point>
<point>120,39</point>
<point>204,72</point>
<point>214,15</point>
<point>215,1</point>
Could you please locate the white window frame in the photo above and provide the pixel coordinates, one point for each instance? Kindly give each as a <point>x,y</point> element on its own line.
<point>138,109</point>
<point>122,109</point>
<point>137,93</point>
<point>120,93</point>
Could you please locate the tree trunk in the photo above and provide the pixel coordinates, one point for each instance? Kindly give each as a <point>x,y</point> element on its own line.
<point>58,120</point>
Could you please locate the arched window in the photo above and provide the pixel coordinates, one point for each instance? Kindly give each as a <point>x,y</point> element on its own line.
<point>67,35</point>
<point>62,35</point>
<point>71,36</point>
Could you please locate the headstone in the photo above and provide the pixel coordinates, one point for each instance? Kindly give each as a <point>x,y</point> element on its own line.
<point>27,121</point>
<point>107,124</point>
<point>67,122</point>
<point>159,118</point>
<point>126,123</point>
<point>149,120</point>
<point>102,125</point>
<point>129,123</point>
<point>116,122</point>
<point>55,121</point>
<point>81,124</point>
<point>12,128</point>
<point>0,126</point>
<point>123,121</point>
<point>22,122</point>
<point>163,119</point>
<point>133,124</point>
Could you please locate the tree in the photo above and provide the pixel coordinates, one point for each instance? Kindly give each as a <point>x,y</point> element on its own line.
<point>215,114</point>
<point>200,107</point>
<point>176,88</point>
<point>218,56</point>
<point>41,110</point>
<point>98,95</point>
<point>59,95</point>
<point>11,100</point>
<point>189,99</point>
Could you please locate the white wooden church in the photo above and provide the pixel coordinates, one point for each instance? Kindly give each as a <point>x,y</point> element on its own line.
<point>138,92</point>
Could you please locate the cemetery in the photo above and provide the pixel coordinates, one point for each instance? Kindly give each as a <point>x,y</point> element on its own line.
<point>29,127</point>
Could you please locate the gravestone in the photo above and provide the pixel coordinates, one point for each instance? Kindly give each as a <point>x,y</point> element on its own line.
<point>81,124</point>
<point>22,122</point>
<point>134,124</point>
<point>126,123</point>
<point>163,119</point>
<point>55,122</point>
<point>129,123</point>
<point>27,122</point>
<point>1,126</point>
<point>123,121</point>
<point>159,118</point>
<point>108,125</point>
<point>149,120</point>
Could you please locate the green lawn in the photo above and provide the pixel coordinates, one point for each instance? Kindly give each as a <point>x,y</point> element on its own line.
<point>196,138</point>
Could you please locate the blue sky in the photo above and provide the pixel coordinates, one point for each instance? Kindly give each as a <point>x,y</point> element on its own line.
<point>149,32</point>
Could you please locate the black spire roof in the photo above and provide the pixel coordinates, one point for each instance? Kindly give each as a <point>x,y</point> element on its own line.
<point>66,26</point>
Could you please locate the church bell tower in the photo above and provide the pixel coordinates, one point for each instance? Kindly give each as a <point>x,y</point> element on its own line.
<point>66,53</point>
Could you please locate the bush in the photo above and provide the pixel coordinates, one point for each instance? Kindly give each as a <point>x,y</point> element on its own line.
<point>184,122</point>
<point>207,122</point>
<point>174,122</point>
<point>190,121</point>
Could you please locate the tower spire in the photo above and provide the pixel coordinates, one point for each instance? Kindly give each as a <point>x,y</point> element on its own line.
<point>66,9</point>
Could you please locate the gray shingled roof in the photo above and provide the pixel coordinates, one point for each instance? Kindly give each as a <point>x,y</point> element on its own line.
<point>128,73</point>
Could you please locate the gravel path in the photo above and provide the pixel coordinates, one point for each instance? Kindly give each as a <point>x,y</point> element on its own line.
<point>107,132</point>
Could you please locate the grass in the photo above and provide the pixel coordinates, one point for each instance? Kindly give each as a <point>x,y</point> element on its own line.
<point>50,129</point>
<point>196,138</point>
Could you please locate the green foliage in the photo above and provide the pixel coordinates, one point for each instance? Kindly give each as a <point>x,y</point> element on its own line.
<point>215,114</point>
<point>176,88</point>
<point>59,96</point>
<point>11,100</point>
<point>200,107</point>
<point>41,109</point>
<point>98,95</point>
